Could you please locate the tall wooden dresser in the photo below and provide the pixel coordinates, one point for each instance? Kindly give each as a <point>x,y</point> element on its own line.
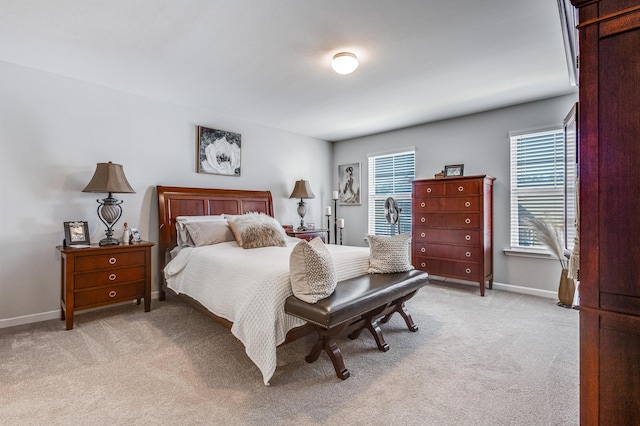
<point>609,154</point>
<point>452,228</point>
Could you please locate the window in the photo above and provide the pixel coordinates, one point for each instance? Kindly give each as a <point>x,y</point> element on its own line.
<point>538,179</point>
<point>390,175</point>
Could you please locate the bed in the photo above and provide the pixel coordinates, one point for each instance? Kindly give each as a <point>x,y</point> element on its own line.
<point>248,299</point>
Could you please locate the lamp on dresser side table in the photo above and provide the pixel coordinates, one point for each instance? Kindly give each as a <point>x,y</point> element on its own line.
<point>103,275</point>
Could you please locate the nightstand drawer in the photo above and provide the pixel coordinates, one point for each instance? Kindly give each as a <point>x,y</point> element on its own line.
<point>109,261</point>
<point>109,277</point>
<point>109,294</point>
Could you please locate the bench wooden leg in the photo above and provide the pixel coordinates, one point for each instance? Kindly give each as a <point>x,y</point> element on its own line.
<point>401,308</point>
<point>376,332</point>
<point>327,343</point>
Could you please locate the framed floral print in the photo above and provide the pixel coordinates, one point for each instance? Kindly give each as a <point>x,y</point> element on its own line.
<point>218,152</point>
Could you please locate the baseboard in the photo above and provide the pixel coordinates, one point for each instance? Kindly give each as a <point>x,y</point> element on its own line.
<point>46,316</point>
<point>503,287</point>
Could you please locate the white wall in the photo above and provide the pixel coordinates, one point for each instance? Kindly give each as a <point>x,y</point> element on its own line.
<point>481,143</point>
<point>54,130</point>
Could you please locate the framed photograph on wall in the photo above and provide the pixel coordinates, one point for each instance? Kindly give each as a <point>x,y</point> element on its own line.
<point>349,184</point>
<point>453,170</point>
<point>76,233</point>
<point>218,151</point>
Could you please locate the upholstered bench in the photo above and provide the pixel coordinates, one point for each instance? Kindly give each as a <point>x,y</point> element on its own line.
<point>356,304</point>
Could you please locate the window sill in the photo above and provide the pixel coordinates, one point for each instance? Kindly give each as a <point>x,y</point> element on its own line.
<point>533,253</point>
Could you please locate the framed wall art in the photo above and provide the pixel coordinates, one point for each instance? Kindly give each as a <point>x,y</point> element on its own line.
<point>349,184</point>
<point>218,151</point>
<point>453,170</point>
<point>76,233</point>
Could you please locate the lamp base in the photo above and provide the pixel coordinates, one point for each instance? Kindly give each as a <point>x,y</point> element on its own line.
<point>109,241</point>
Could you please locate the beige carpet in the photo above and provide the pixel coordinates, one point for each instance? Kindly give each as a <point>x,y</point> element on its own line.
<point>505,359</point>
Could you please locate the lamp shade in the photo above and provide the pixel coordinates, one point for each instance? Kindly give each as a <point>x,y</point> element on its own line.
<point>344,63</point>
<point>109,177</point>
<point>302,190</point>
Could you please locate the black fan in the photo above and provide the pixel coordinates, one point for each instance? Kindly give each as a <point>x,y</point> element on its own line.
<point>392,212</point>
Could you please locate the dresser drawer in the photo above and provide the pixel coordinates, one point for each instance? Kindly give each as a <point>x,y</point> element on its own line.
<point>468,237</point>
<point>109,277</point>
<point>448,268</point>
<point>436,204</point>
<point>443,251</point>
<point>109,294</point>
<point>434,189</point>
<point>448,220</point>
<point>109,261</point>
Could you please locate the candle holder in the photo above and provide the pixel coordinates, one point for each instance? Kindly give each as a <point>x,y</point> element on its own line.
<point>328,229</point>
<point>340,236</point>
<point>335,217</point>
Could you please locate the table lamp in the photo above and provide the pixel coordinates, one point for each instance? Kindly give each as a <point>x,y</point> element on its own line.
<point>302,190</point>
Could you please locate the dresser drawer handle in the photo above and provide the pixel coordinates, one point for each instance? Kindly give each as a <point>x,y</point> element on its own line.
<point>461,188</point>
<point>468,254</point>
<point>422,219</point>
<point>429,190</point>
<point>112,293</point>
<point>467,204</point>
<point>467,237</point>
<point>423,234</point>
<point>424,265</point>
<point>113,260</point>
<point>468,270</point>
<point>422,204</point>
<point>112,277</point>
<point>423,249</point>
<point>467,221</point>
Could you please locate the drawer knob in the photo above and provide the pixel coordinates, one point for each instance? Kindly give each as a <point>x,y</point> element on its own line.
<point>467,204</point>
<point>461,188</point>
<point>423,264</point>
<point>112,277</point>
<point>112,260</point>
<point>467,221</point>
<point>428,189</point>
<point>467,237</point>
<point>422,204</point>
<point>112,293</point>
<point>468,270</point>
<point>423,249</point>
<point>423,235</point>
<point>468,254</point>
<point>422,219</point>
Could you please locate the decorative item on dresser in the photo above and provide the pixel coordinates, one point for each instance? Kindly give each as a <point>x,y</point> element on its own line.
<point>452,228</point>
<point>102,275</point>
<point>309,234</point>
<point>609,173</point>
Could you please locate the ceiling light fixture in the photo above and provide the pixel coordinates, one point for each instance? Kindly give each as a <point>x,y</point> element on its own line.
<point>344,63</point>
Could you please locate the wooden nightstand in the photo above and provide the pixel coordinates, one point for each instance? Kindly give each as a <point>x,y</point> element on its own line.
<point>98,276</point>
<point>308,234</point>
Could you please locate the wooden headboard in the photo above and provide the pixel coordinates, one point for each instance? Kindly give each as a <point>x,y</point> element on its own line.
<point>176,201</point>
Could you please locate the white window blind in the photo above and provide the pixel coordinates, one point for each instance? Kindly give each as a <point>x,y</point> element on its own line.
<point>390,175</point>
<point>537,183</point>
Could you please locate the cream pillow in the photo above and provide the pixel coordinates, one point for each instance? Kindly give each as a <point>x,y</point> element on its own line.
<point>208,233</point>
<point>182,234</point>
<point>313,275</point>
<point>253,230</point>
<point>389,254</point>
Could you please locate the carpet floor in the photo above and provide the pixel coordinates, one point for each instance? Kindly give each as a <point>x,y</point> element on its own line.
<point>502,359</point>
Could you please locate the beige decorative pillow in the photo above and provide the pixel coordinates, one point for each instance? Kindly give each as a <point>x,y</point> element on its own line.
<point>208,233</point>
<point>389,254</point>
<point>182,234</point>
<point>253,230</point>
<point>313,275</point>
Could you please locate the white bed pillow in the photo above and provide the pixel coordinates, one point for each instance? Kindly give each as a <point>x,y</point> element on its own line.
<point>313,274</point>
<point>389,254</point>
<point>253,230</point>
<point>183,239</point>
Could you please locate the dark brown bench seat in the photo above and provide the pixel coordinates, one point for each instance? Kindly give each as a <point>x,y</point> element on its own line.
<point>356,304</point>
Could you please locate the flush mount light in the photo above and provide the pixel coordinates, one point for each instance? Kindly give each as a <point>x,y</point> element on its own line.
<point>344,63</point>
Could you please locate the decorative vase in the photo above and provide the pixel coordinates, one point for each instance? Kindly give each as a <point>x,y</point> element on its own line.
<point>566,289</point>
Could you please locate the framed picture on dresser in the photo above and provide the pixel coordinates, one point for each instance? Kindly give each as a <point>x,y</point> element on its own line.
<point>76,233</point>
<point>453,170</point>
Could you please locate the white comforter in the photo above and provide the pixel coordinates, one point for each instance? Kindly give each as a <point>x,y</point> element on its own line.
<point>249,287</point>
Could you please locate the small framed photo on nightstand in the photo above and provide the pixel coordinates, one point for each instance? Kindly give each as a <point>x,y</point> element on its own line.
<point>135,236</point>
<point>311,226</point>
<point>76,233</point>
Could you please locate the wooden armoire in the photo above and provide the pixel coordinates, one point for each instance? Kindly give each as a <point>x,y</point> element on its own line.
<point>609,155</point>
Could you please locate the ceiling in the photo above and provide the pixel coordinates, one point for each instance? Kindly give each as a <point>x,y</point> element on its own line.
<point>268,61</point>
